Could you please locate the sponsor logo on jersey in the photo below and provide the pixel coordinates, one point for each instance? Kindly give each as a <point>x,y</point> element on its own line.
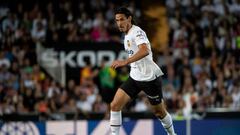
<point>130,52</point>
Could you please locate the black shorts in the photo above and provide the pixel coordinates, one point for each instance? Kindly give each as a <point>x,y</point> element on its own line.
<point>107,94</point>
<point>153,89</point>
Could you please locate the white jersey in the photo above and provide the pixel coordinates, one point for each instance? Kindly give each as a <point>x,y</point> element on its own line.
<point>144,69</point>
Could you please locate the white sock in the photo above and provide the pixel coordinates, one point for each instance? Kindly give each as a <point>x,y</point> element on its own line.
<point>168,124</point>
<point>115,122</point>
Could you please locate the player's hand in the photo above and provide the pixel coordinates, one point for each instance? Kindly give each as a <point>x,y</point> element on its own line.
<point>118,63</point>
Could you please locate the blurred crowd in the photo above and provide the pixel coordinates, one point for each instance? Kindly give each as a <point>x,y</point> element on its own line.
<point>201,64</point>
<point>24,85</point>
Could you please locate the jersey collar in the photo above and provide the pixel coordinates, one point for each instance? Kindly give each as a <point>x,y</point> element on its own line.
<point>130,29</point>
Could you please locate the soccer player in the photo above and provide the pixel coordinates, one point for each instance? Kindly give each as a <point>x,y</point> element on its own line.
<point>144,74</point>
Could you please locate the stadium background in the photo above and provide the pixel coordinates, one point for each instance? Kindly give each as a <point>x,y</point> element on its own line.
<point>54,60</point>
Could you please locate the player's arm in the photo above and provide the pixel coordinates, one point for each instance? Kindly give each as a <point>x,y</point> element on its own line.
<point>141,53</point>
<point>141,41</point>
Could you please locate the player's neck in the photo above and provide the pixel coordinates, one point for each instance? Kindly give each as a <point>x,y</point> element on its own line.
<point>130,26</point>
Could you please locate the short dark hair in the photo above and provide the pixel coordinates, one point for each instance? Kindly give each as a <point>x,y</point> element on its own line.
<point>126,12</point>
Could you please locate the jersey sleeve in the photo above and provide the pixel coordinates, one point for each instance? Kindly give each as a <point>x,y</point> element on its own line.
<point>140,37</point>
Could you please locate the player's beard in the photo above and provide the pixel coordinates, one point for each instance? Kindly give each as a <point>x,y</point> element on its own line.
<point>121,29</point>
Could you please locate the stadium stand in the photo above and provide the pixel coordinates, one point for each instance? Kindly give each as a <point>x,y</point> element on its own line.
<point>201,63</point>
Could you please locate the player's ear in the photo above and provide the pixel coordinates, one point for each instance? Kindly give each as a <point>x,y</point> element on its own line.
<point>130,18</point>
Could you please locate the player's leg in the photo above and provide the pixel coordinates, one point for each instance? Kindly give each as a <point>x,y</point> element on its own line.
<point>153,90</point>
<point>107,96</point>
<point>128,90</point>
<point>160,111</point>
<point>119,101</point>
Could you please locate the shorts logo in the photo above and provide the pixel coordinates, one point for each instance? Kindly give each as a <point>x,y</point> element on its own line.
<point>153,97</point>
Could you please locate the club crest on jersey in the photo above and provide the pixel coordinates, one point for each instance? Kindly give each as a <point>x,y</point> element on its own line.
<point>128,43</point>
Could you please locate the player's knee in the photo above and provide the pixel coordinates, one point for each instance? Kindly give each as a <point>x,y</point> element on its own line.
<point>160,112</point>
<point>115,106</point>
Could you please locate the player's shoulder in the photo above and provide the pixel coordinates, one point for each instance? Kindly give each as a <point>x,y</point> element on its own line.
<point>136,29</point>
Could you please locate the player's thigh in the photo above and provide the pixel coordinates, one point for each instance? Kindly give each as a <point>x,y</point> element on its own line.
<point>120,100</point>
<point>153,90</point>
<point>130,86</point>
